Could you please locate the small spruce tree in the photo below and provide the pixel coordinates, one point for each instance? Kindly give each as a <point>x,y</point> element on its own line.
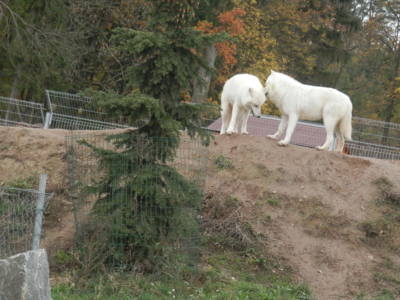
<point>148,203</point>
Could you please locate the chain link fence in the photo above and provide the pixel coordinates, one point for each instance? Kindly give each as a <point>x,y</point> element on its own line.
<point>19,211</point>
<point>15,112</point>
<point>131,212</point>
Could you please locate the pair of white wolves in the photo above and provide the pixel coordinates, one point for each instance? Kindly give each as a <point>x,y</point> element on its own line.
<point>243,93</point>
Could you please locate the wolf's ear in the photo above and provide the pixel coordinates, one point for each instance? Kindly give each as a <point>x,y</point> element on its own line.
<point>272,71</point>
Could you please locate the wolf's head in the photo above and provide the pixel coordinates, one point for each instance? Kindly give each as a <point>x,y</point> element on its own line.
<point>271,86</point>
<point>257,97</point>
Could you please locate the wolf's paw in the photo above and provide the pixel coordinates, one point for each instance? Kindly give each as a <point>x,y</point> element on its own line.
<point>283,143</point>
<point>320,148</point>
<point>245,132</point>
<point>271,136</point>
<point>229,132</point>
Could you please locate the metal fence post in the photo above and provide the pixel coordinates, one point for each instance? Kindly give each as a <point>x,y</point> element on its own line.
<point>47,120</point>
<point>37,229</point>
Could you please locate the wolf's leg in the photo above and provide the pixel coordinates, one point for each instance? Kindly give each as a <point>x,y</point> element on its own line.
<point>239,122</point>
<point>330,125</point>
<point>234,119</point>
<point>291,124</point>
<point>226,113</point>
<point>281,128</point>
<point>339,141</point>
<point>245,118</point>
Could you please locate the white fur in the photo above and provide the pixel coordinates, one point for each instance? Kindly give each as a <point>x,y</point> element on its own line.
<point>241,94</point>
<point>306,102</point>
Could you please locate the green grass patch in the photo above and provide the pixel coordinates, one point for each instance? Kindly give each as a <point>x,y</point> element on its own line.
<point>223,163</point>
<point>29,182</point>
<point>224,275</point>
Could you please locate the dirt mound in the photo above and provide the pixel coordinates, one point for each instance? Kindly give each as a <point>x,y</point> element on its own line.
<point>333,219</point>
<point>25,153</point>
<point>328,215</point>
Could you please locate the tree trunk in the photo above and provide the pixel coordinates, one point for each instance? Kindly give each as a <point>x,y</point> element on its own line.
<point>201,83</point>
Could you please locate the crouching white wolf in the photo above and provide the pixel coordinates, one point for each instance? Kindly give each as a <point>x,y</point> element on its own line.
<point>241,94</point>
<point>306,102</point>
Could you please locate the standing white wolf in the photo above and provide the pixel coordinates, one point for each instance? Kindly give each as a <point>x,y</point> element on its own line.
<point>306,102</point>
<point>241,94</point>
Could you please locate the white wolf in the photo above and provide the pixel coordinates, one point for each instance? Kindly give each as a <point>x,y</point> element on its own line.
<point>306,102</point>
<point>241,94</point>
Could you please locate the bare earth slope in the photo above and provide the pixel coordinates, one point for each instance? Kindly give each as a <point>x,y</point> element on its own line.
<point>322,212</point>
<point>333,219</point>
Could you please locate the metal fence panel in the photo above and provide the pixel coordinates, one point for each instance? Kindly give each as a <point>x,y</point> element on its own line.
<point>76,123</point>
<point>376,132</point>
<point>363,149</point>
<point>17,217</point>
<point>85,172</point>
<point>371,138</point>
<point>75,112</point>
<point>72,105</point>
<point>15,112</point>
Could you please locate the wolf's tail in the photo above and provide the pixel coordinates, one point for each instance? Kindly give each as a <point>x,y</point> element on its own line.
<point>345,125</point>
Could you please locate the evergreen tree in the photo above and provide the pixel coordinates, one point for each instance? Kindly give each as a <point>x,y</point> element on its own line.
<point>155,202</point>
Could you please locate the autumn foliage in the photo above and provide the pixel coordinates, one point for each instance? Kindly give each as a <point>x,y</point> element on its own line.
<point>231,23</point>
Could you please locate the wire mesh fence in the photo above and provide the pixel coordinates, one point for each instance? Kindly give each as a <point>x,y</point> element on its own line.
<point>73,105</point>
<point>15,112</point>
<point>76,112</point>
<point>376,132</point>
<point>371,138</point>
<point>363,149</point>
<point>76,123</point>
<point>131,211</point>
<point>18,208</point>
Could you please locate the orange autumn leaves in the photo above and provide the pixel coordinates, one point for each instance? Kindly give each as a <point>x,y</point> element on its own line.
<point>231,23</point>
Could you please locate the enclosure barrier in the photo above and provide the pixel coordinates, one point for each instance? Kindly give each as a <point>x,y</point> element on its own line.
<point>363,149</point>
<point>376,132</point>
<point>15,112</point>
<point>371,138</point>
<point>61,121</point>
<point>76,112</point>
<point>20,210</point>
<point>368,135</point>
<point>127,207</point>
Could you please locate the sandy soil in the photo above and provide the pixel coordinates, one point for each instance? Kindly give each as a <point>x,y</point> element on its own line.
<point>312,207</point>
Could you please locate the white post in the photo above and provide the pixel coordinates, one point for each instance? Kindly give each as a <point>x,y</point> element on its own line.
<point>47,120</point>
<point>37,229</point>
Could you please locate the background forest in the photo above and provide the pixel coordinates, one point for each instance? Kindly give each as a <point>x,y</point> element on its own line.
<point>134,45</point>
